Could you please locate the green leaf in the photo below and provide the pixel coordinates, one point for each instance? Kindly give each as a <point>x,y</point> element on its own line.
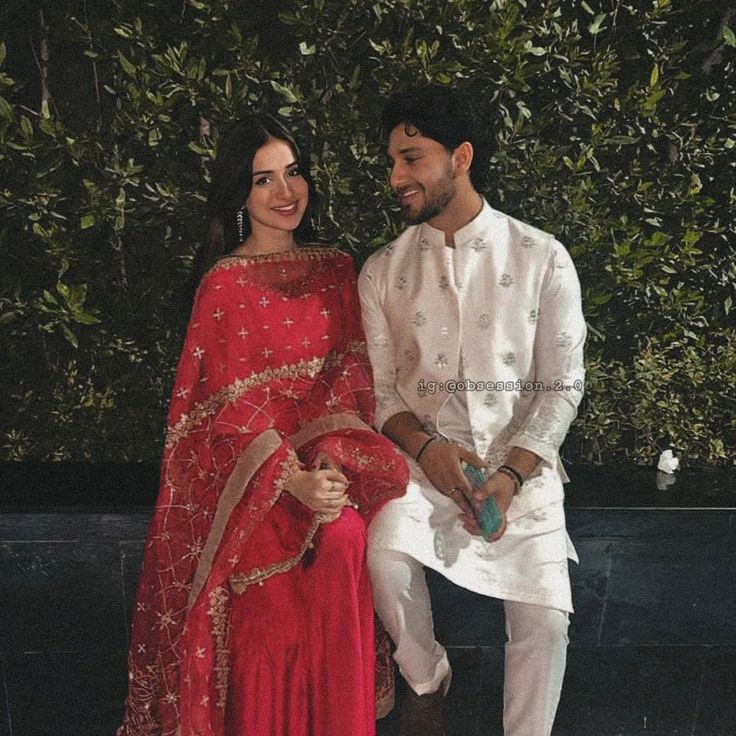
<point>6,111</point>
<point>654,76</point>
<point>77,295</point>
<point>2,53</point>
<point>26,128</point>
<point>285,92</point>
<point>84,318</point>
<point>595,27</point>
<point>306,50</point>
<point>70,336</point>
<point>729,37</point>
<point>128,68</point>
<point>87,221</point>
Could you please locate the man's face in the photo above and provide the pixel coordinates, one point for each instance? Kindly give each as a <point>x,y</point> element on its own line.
<point>421,174</point>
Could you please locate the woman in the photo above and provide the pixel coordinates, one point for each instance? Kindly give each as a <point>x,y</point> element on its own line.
<point>254,614</point>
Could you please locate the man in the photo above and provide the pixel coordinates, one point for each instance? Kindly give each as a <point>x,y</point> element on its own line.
<point>475,333</point>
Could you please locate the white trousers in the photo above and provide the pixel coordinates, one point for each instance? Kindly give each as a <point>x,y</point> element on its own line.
<point>535,653</point>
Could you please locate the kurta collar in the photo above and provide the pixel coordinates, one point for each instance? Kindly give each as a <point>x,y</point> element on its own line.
<point>474,233</point>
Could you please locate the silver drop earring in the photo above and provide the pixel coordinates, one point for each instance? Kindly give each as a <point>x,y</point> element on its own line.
<point>239,221</point>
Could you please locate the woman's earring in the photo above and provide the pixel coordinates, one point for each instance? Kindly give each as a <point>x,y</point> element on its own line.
<point>239,221</point>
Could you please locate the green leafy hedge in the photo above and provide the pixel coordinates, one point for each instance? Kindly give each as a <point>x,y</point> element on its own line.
<point>615,129</point>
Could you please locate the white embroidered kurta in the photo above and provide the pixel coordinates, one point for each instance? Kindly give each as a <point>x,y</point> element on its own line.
<point>483,343</point>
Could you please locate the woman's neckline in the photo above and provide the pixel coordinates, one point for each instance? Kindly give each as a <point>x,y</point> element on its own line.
<point>300,251</point>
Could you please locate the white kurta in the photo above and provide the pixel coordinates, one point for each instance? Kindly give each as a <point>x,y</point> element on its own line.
<point>500,315</point>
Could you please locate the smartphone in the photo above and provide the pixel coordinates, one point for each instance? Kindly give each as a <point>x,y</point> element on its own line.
<point>489,516</point>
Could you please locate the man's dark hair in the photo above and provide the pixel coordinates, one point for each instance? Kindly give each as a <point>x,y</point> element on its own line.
<point>447,116</point>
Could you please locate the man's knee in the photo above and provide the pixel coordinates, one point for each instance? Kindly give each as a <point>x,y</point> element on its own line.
<point>546,626</point>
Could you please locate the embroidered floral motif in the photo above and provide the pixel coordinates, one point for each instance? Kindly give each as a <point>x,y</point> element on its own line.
<point>424,244</point>
<point>444,283</point>
<point>506,280</point>
<point>441,360</point>
<point>490,400</point>
<point>533,316</point>
<point>563,340</point>
<point>218,613</point>
<point>478,245</point>
<point>288,467</point>
<point>509,358</point>
<point>484,321</point>
<point>401,282</point>
<point>419,319</point>
<point>528,242</point>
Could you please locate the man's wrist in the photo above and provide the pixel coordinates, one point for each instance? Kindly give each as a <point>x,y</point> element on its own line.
<point>427,442</point>
<point>512,474</point>
<point>506,483</point>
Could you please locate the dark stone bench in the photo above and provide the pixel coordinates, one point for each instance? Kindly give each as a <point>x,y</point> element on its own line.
<point>653,638</point>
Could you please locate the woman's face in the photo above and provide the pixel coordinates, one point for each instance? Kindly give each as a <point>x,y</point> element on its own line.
<point>279,193</point>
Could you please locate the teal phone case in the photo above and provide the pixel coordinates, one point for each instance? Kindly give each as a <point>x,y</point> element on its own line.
<point>489,517</point>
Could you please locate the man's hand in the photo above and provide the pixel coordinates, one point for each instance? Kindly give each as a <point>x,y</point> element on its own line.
<point>441,463</point>
<point>502,488</point>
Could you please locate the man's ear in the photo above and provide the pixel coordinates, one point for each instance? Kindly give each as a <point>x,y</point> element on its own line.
<point>462,157</point>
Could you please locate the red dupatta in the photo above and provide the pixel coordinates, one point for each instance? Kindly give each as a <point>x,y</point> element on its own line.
<point>272,371</point>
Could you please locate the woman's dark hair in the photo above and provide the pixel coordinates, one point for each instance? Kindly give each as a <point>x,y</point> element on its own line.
<point>447,116</point>
<point>232,180</point>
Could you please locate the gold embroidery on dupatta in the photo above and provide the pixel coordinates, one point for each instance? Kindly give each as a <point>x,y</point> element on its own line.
<point>288,468</point>
<point>140,718</point>
<point>218,612</point>
<point>297,254</point>
<point>239,582</point>
<point>240,386</point>
<point>248,463</point>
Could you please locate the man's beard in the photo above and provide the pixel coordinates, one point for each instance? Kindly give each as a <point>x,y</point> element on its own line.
<point>433,205</point>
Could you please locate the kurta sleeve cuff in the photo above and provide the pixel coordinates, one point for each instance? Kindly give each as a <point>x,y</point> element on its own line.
<point>388,404</point>
<point>545,429</point>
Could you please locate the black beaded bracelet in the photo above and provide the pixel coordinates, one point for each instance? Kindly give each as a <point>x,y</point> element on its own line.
<point>424,447</point>
<point>512,473</point>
